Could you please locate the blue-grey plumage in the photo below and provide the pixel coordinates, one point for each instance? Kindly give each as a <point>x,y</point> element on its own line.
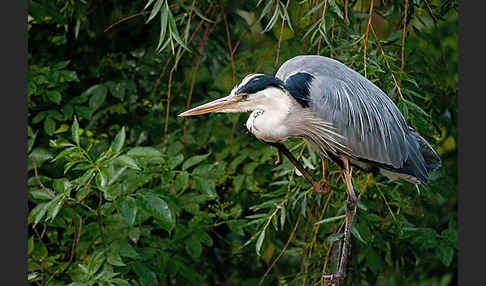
<point>372,126</point>
<point>336,110</point>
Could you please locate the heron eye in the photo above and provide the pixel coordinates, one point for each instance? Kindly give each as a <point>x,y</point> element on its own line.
<point>244,96</point>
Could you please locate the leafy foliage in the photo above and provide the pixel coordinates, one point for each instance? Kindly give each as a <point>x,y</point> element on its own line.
<point>123,192</point>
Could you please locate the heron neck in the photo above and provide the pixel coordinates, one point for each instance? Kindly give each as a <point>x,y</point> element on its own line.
<point>266,122</point>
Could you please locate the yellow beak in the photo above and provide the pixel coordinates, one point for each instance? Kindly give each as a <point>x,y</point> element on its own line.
<point>224,104</point>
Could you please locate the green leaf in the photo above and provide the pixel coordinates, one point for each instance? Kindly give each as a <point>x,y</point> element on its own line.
<point>175,161</point>
<point>336,8</point>
<point>356,234</point>
<point>49,125</point>
<point>446,253</point>
<point>41,155</point>
<point>62,128</point>
<point>121,282</point>
<point>55,206</point>
<point>204,237</point>
<point>326,220</point>
<point>194,161</point>
<point>38,212</point>
<point>374,261</point>
<point>127,206</point>
<point>145,275</point>
<point>148,4</point>
<point>134,234</point>
<point>205,187</point>
<point>54,96</point>
<point>97,95</point>
<point>69,75</point>
<point>155,10</point>
<point>61,185</point>
<point>158,208</point>
<point>96,261</point>
<point>259,242</point>
<point>182,179</point>
<point>115,259</point>
<point>119,141</point>
<point>30,245</point>
<point>39,117</point>
<point>60,65</point>
<point>194,247</point>
<point>144,151</point>
<point>85,177</point>
<point>75,131</point>
<point>127,161</point>
<point>163,25</point>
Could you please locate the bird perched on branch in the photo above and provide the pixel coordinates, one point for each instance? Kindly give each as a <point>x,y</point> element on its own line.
<point>338,112</point>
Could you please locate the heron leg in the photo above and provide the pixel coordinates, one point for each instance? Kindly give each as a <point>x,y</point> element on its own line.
<point>316,185</point>
<point>350,213</point>
<point>324,180</point>
<point>352,202</point>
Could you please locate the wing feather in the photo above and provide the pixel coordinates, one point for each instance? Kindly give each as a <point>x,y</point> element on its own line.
<point>371,125</point>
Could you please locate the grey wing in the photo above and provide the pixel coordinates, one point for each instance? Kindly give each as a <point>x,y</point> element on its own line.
<point>372,126</point>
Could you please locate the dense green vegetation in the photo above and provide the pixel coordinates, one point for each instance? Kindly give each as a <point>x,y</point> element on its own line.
<point>124,192</point>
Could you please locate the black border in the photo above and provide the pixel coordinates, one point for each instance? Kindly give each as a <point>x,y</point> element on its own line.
<point>14,210</point>
<point>471,145</point>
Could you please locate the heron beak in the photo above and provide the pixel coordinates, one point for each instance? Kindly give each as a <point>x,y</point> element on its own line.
<point>225,104</point>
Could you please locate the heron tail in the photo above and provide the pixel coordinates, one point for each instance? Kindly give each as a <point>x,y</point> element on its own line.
<point>432,160</point>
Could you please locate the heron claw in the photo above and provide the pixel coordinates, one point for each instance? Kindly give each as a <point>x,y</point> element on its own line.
<point>334,279</point>
<point>320,187</point>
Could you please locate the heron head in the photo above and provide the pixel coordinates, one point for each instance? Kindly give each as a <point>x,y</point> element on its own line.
<point>247,96</point>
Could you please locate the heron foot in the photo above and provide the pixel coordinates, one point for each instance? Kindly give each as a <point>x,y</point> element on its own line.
<point>320,187</point>
<point>333,279</point>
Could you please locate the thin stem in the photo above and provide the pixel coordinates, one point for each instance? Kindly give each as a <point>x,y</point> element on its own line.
<point>281,34</point>
<point>404,32</point>
<point>366,35</point>
<point>282,251</point>
<point>320,34</point>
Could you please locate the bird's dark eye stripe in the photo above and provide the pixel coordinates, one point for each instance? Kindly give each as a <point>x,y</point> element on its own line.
<point>260,83</point>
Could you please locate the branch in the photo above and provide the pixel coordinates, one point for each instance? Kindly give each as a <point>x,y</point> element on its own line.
<point>366,35</point>
<point>51,194</point>
<point>386,61</point>
<point>282,251</point>
<point>404,31</point>
<point>281,33</point>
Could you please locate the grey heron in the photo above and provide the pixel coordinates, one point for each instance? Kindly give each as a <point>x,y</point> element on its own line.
<point>338,112</point>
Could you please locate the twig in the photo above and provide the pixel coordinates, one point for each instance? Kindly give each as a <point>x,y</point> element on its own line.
<point>281,34</point>
<point>77,235</point>
<point>169,88</point>
<point>386,61</point>
<point>157,82</point>
<point>127,18</point>
<point>135,15</point>
<point>366,35</point>
<point>404,32</point>
<point>282,251</point>
<point>233,69</point>
<point>100,223</point>
<point>346,19</point>
<point>320,34</point>
<point>38,179</point>
<point>314,236</point>
<point>201,47</point>
<point>438,33</point>
<point>386,202</point>
<point>87,184</point>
